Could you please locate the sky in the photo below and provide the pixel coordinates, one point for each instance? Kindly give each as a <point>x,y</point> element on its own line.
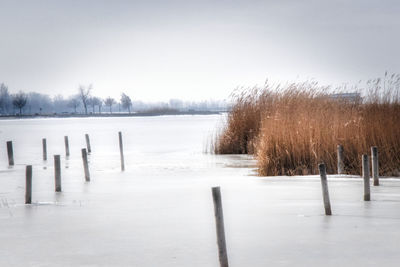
<point>193,50</point>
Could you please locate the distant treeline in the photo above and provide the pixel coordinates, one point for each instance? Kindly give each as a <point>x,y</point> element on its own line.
<point>85,102</point>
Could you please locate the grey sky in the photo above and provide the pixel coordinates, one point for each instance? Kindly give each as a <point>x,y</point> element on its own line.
<point>156,50</point>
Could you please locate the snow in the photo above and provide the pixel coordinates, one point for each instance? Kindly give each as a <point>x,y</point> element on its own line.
<point>159,212</point>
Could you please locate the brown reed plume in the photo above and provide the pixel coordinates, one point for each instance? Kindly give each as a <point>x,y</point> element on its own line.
<point>292,128</point>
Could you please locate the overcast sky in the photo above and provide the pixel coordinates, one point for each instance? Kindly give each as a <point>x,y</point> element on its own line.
<point>156,50</point>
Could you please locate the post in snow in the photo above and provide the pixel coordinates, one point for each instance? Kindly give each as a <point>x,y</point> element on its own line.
<point>44,148</point>
<point>365,171</point>
<point>10,153</point>
<point>121,151</point>
<point>340,161</point>
<point>66,143</point>
<point>57,173</point>
<point>325,191</point>
<point>85,165</point>
<point>375,165</point>
<point>219,223</point>
<point>28,184</point>
<point>89,149</point>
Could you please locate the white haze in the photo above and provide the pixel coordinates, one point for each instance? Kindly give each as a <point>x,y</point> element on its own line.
<point>157,50</point>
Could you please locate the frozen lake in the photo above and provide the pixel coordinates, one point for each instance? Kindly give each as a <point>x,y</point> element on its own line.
<point>159,212</point>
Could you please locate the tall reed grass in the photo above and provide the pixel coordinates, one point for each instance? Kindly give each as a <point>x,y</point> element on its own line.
<point>291,128</point>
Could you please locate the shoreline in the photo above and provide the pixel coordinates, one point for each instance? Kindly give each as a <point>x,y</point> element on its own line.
<point>106,115</point>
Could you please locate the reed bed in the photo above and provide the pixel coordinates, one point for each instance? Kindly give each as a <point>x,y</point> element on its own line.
<point>291,128</point>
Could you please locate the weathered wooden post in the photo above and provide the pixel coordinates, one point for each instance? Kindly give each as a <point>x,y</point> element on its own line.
<point>121,151</point>
<point>10,153</point>
<point>57,173</point>
<point>365,171</point>
<point>85,165</point>
<point>340,161</point>
<point>28,184</point>
<point>44,148</point>
<point>89,149</point>
<point>66,143</point>
<point>375,165</point>
<point>219,222</point>
<point>325,191</point>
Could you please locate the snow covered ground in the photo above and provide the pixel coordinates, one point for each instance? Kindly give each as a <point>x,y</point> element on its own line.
<point>159,212</point>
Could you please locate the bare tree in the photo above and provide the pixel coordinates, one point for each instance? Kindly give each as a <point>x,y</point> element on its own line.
<point>60,104</point>
<point>74,102</point>
<point>94,101</point>
<point>5,99</point>
<point>38,102</point>
<point>90,102</point>
<point>84,93</point>
<point>19,101</point>
<point>109,102</point>
<point>100,104</point>
<point>126,102</point>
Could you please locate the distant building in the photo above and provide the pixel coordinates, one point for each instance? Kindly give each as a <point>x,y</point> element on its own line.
<point>352,97</point>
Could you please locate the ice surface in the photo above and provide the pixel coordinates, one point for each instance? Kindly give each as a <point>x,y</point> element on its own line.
<point>159,212</point>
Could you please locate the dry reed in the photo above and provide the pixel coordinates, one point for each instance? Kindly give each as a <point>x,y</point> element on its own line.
<point>292,128</point>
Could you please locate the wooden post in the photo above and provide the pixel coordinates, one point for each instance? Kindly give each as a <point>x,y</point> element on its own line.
<point>85,165</point>
<point>375,165</point>
<point>219,222</point>
<point>66,146</point>
<point>340,164</point>
<point>89,149</point>
<point>365,171</point>
<point>10,153</point>
<point>121,151</point>
<point>28,184</point>
<point>44,146</point>
<point>325,191</point>
<point>57,173</point>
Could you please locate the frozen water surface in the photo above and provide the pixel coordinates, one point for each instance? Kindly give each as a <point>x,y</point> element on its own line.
<point>159,212</point>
